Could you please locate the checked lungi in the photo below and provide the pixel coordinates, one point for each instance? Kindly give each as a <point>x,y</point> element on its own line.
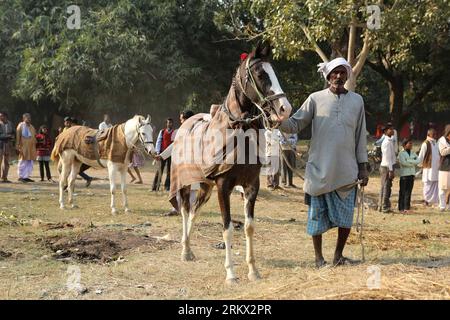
<point>329,210</point>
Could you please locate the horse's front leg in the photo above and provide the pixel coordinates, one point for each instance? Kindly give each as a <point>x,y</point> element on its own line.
<point>123,184</point>
<point>224,192</point>
<point>185,205</point>
<point>71,183</point>
<point>250,194</point>
<point>63,179</point>
<point>112,186</point>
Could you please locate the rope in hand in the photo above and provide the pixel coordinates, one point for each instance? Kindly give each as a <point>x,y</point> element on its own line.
<point>360,214</point>
<point>294,170</point>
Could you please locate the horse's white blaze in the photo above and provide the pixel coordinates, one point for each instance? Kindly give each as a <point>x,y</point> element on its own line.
<point>276,89</point>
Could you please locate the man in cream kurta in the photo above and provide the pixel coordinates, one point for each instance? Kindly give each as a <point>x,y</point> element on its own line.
<point>26,146</point>
<point>429,161</point>
<point>337,156</point>
<point>444,170</point>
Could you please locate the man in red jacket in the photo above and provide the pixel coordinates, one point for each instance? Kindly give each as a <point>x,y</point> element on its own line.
<point>165,139</point>
<point>44,146</point>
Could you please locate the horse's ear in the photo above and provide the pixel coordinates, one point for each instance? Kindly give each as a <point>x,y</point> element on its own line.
<point>263,50</point>
<point>149,119</point>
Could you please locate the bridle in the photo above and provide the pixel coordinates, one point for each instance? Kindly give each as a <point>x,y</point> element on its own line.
<point>264,103</point>
<point>141,138</point>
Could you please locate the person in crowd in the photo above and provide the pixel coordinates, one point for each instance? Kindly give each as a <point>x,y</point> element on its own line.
<point>7,135</point>
<point>272,153</point>
<point>183,117</point>
<point>26,147</point>
<point>165,138</point>
<point>106,123</point>
<point>429,158</point>
<point>395,138</point>
<point>444,170</point>
<point>408,161</point>
<point>288,142</point>
<point>388,160</point>
<point>137,161</point>
<point>44,146</point>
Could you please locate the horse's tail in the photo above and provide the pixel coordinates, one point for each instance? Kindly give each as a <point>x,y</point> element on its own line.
<point>55,154</point>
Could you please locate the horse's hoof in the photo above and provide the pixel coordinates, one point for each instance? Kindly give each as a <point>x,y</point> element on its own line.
<point>62,207</point>
<point>254,276</point>
<point>74,206</point>
<point>127,210</point>
<point>187,256</point>
<point>231,282</point>
<point>114,211</point>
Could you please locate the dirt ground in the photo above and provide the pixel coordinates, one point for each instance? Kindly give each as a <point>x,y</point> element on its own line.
<point>87,253</point>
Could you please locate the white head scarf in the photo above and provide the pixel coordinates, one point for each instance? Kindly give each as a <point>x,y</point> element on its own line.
<point>327,67</point>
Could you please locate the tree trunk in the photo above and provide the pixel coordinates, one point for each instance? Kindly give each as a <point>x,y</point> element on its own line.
<point>396,91</point>
<point>351,83</point>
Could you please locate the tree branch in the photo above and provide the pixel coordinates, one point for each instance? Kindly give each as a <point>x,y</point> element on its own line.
<point>424,91</point>
<point>388,76</point>
<point>313,42</point>
<point>362,57</point>
<point>351,42</point>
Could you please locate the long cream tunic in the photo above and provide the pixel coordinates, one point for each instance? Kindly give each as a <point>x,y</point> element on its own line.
<point>338,142</point>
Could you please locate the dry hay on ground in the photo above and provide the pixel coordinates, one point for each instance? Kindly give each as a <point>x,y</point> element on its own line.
<point>137,255</point>
<point>384,241</point>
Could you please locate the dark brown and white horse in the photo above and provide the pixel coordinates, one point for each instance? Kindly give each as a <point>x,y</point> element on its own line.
<point>254,98</point>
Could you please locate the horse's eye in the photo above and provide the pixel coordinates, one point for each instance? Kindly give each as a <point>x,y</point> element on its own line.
<point>259,75</point>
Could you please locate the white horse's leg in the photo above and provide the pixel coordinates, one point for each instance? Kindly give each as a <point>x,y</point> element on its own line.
<point>250,255</point>
<point>188,217</point>
<point>64,162</point>
<point>229,265</point>
<point>71,183</point>
<point>249,206</point>
<point>123,183</point>
<point>188,254</point>
<point>112,185</point>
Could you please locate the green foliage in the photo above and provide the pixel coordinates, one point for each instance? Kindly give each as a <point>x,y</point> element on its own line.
<point>163,56</point>
<point>127,55</point>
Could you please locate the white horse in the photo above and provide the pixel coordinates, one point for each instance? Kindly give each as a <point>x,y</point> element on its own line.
<point>136,129</point>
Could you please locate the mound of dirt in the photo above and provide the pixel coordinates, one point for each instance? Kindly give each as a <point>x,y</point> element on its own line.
<point>101,246</point>
<point>4,254</point>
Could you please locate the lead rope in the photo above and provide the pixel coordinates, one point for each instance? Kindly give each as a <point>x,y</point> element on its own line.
<point>360,224</point>
<point>294,170</point>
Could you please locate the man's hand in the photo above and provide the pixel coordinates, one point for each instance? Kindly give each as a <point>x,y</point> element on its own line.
<point>363,174</point>
<point>158,157</point>
<point>391,174</point>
